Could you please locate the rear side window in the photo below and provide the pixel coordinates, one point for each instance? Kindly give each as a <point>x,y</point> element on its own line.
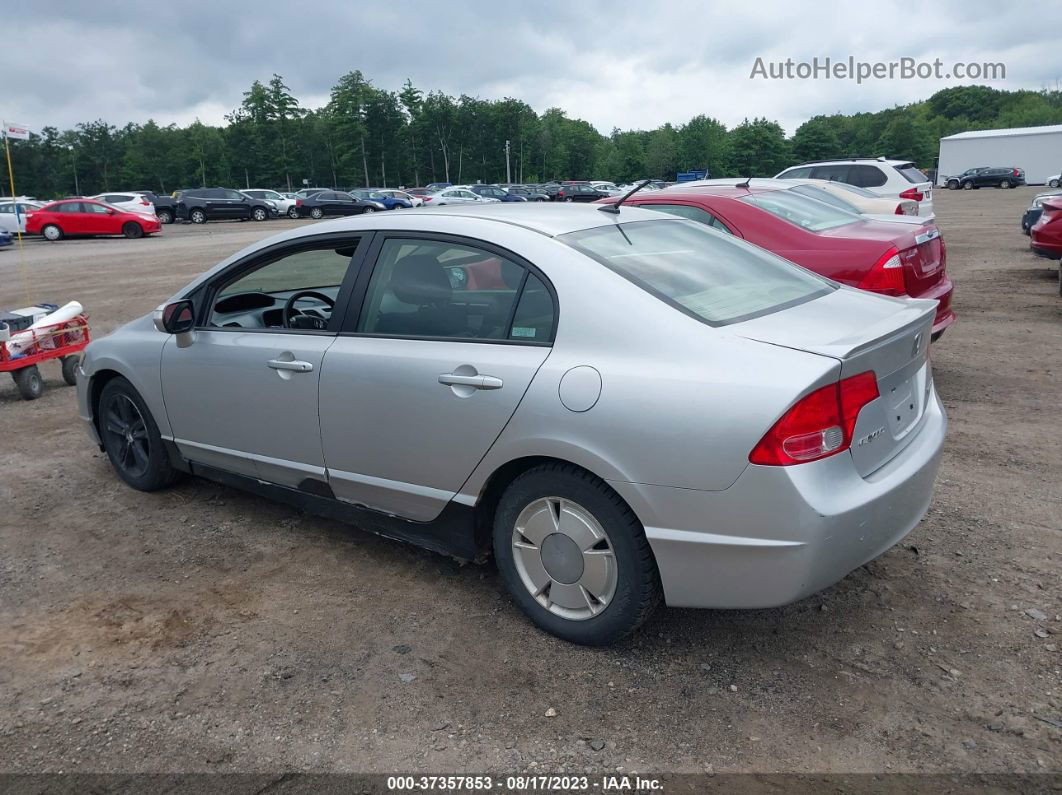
<point>716,279</point>
<point>801,172</point>
<point>866,176</point>
<point>910,173</point>
<point>690,212</point>
<point>443,289</point>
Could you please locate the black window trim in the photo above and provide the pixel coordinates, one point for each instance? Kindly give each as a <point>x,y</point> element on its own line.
<point>356,302</point>
<point>204,295</point>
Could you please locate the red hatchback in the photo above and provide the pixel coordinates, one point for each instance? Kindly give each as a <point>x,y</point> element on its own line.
<point>74,217</point>
<point>884,257</point>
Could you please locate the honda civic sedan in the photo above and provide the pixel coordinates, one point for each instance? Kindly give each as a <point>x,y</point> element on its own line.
<point>620,407</point>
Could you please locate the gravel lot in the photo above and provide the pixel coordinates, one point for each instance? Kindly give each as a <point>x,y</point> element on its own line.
<point>202,629</point>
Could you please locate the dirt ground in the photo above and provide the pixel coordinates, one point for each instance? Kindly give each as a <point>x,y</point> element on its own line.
<point>202,629</point>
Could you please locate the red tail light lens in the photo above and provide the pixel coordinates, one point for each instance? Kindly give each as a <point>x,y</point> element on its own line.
<point>886,275</point>
<point>818,425</point>
<point>427,199</point>
<point>912,193</point>
<point>899,209</point>
<point>298,202</point>
<point>1015,173</point>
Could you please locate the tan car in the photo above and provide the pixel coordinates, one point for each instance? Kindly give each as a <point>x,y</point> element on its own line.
<point>867,202</point>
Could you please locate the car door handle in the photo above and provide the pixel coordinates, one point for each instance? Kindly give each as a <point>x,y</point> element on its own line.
<point>474,381</point>
<point>295,366</point>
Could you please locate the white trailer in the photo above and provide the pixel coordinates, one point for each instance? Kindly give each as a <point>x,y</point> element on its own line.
<point>1038,150</point>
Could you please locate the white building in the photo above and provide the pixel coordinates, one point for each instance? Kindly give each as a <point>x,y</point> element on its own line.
<point>1038,150</point>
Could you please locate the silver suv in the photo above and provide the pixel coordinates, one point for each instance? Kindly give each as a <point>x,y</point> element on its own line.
<point>620,406</point>
<point>898,179</point>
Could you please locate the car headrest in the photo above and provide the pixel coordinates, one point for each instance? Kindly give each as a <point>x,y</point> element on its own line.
<point>419,279</point>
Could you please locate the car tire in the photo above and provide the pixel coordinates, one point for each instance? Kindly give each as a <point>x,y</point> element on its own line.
<point>317,213</point>
<point>29,382</point>
<point>131,438</point>
<point>368,210</point>
<point>1004,183</point>
<point>52,232</point>
<point>967,185</point>
<point>603,529</point>
<point>953,184</point>
<point>567,198</point>
<point>293,213</point>
<point>259,214</point>
<point>164,216</point>
<point>1053,183</point>
<point>197,216</point>
<point>69,366</point>
<point>132,230</point>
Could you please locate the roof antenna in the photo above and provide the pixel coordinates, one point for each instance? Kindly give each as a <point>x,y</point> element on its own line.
<point>615,208</point>
<point>744,184</point>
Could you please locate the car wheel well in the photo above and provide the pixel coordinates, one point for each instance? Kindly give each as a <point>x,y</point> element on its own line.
<point>96,385</point>
<point>499,481</point>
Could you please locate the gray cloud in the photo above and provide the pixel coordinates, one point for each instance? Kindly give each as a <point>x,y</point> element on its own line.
<point>628,65</point>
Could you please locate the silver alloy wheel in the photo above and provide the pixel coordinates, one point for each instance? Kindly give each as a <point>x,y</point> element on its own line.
<point>259,214</point>
<point>52,232</point>
<point>564,558</point>
<point>370,209</point>
<point>293,212</point>
<point>198,217</point>
<point>317,212</point>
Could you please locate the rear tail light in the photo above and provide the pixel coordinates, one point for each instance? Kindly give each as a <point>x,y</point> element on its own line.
<point>427,199</point>
<point>1016,173</point>
<point>818,425</point>
<point>298,202</point>
<point>912,193</point>
<point>886,275</point>
<point>145,202</point>
<point>900,210</point>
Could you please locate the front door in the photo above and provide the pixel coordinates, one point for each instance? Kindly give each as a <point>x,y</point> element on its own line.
<point>243,395</point>
<point>428,369</point>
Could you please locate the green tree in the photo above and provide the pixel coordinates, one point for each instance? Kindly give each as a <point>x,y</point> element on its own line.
<point>759,148</point>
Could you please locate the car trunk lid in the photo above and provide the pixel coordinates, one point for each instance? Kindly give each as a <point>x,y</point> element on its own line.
<point>889,337</point>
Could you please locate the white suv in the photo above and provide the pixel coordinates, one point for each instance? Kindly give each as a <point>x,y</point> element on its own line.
<point>892,178</point>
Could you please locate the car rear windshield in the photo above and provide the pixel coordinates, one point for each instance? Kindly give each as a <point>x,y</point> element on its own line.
<point>911,174</point>
<point>804,212</point>
<point>699,271</point>
<point>818,194</point>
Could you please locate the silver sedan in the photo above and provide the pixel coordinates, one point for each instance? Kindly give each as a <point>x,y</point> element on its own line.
<point>622,408</point>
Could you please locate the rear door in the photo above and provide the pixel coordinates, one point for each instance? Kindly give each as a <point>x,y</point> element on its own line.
<point>430,365</point>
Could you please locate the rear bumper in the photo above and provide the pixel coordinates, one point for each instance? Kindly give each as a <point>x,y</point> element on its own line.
<point>780,534</point>
<point>942,293</point>
<point>1048,252</point>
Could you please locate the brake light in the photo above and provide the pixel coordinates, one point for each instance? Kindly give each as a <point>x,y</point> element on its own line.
<point>427,199</point>
<point>145,202</point>
<point>899,210</point>
<point>818,425</point>
<point>298,202</point>
<point>886,275</point>
<point>912,193</point>
<point>1015,173</point>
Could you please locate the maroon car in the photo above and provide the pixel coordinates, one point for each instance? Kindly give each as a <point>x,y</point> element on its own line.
<point>884,257</point>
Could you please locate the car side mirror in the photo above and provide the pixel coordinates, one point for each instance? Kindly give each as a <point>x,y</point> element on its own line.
<point>175,318</point>
<point>110,212</point>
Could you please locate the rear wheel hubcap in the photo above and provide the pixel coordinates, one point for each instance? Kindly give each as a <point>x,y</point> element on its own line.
<point>564,558</point>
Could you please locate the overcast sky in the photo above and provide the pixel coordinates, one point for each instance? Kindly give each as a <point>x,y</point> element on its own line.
<point>619,63</point>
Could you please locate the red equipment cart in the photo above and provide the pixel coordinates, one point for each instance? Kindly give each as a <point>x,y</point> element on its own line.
<point>62,341</point>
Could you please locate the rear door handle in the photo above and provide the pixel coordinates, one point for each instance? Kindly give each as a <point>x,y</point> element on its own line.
<point>295,366</point>
<point>474,381</point>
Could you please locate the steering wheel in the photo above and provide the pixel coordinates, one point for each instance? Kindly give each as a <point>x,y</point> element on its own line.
<point>289,308</point>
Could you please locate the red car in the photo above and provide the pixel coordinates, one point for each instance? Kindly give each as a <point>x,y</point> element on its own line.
<point>1045,237</point>
<point>73,217</point>
<point>883,257</point>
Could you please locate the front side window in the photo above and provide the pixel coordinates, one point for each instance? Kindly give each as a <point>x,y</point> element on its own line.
<point>441,289</point>
<point>713,278</point>
<point>256,299</point>
<point>806,213</point>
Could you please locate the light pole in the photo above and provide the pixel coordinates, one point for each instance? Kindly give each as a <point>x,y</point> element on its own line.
<point>508,172</point>
<point>73,161</point>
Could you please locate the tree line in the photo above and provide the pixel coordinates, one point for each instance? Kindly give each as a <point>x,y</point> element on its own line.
<point>369,136</point>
